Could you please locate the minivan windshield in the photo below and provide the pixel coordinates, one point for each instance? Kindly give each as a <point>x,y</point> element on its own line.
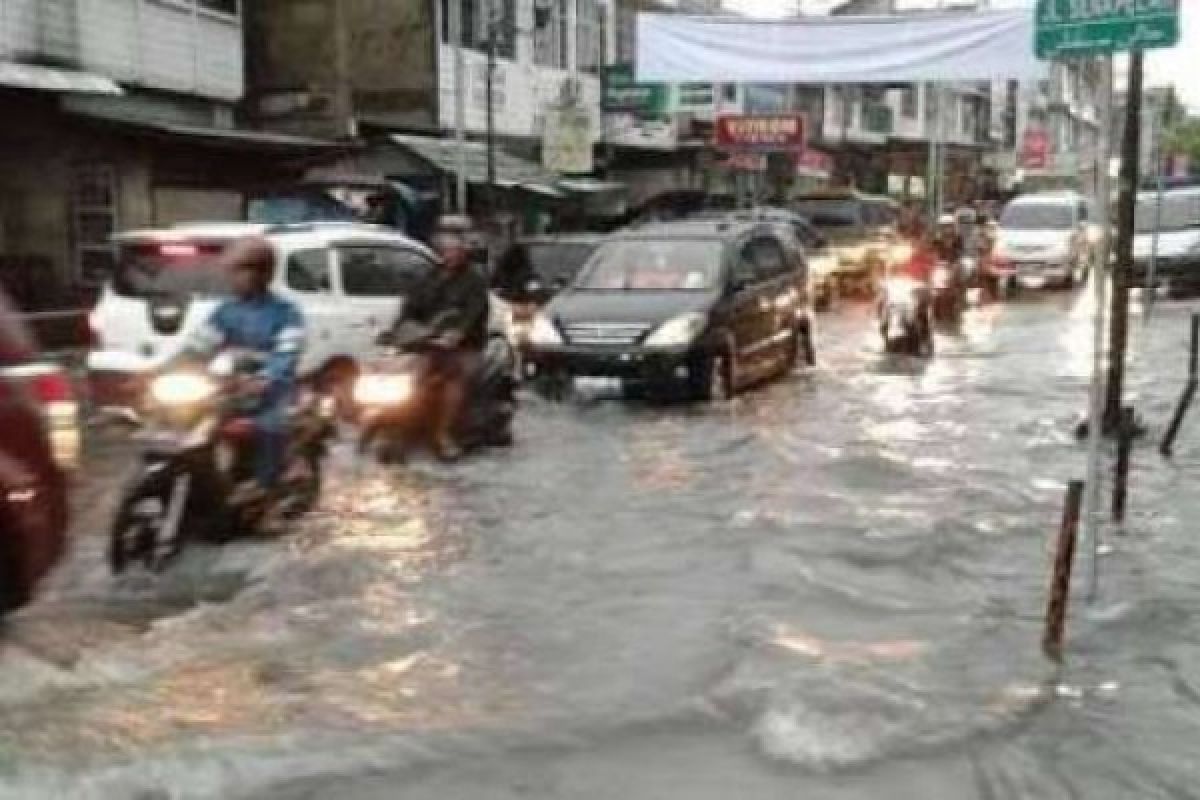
<point>175,268</point>
<point>830,213</point>
<point>654,264</point>
<point>559,262</point>
<point>1180,212</point>
<point>1036,217</point>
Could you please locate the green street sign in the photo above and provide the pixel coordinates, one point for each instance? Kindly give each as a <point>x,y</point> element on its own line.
<point>622,94</point>
<point>1067,28</point>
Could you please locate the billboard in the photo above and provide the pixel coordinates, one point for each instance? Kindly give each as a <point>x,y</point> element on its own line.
<point>567,141</point>
<point>761,132</point>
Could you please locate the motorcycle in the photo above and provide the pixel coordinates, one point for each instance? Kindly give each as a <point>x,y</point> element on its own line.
<point>197,461</point>
<point>396,396</point>
<point>904,318</point>
<point>947,292</point>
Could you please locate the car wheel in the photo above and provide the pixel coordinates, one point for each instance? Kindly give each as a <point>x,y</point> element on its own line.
<point>718,385</point>
<point>12,593</point>
<point>806,344</point>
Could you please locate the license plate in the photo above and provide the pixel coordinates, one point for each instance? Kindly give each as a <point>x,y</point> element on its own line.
<point>591,383</point>
<point>1032,281</point>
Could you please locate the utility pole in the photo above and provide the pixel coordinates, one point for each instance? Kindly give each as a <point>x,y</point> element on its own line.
<point>1099,287</point>
<point>460,106</point>
<point>492,25</point>
<point>1126,205</point>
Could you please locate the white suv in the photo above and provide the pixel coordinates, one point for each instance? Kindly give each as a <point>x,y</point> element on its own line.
<point>348,280</point>
<point>1046,238</point>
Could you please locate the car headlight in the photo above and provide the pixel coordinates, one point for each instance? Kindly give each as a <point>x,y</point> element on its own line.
<point>678,332</point>
<point>544,332</point>
<point>181,389</point>
<point>851,255</point>
<point>383,390</point>
<point>901,252</point>
<point>822,265</point>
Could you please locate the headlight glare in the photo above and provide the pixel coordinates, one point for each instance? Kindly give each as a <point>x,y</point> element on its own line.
<point>181,389</point>
<point>678,332</point>
<point>382,390</point>
<point>544,332</point>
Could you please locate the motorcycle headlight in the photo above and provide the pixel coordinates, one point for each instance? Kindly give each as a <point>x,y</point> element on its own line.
<point>678,332</point>
<point>383,390</point>
<point>181,389</point>
<point>941,277</point>
<point>544,332</point>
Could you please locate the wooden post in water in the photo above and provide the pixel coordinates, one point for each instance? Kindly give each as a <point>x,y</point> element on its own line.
<point>1125,434</point>
<point>1189,391</point>
<point>1060,581</point>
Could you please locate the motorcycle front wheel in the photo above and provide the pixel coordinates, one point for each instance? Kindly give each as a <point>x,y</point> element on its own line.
<point>148,525</point>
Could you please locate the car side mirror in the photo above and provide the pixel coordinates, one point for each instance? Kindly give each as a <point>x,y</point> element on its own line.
<point>533,287</point>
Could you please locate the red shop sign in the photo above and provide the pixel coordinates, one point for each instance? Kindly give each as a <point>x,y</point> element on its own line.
<point>761,132</point>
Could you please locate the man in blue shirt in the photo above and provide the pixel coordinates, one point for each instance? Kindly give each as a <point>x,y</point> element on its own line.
<point>258,320</point>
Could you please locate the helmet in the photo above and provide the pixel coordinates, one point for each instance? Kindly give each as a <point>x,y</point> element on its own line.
<point>252,253</point>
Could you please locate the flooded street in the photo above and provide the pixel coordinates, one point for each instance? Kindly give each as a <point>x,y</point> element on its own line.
<point>831,587</point>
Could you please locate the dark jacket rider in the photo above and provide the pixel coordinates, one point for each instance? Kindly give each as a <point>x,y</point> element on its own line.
<point>456,298</point>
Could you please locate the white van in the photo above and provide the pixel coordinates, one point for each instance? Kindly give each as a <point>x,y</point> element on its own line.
<point>348,280</point>
<point>1177,264</point>
<point>1046,239</point>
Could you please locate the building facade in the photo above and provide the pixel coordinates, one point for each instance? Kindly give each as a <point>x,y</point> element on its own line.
<point>120,114</point>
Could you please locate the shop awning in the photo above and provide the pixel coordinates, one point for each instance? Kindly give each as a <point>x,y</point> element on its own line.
<point>50,79</point>
<point>203,135</point>
<point>511,171</point>
<point>590,185</point>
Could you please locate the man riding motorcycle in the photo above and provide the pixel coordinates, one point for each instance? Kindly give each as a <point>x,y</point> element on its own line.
<point>455,300</point>
<point>258,320</point>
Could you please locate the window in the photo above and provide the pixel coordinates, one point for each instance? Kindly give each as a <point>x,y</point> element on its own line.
<point>381,271</point>
<point>481,18</point>
<point>767,256</point>
<point>229,7</point>
<point>908,102</point>
<point>590,35</point>
<point>94,221</point>
<point>551,33</point>
<point>308,271</point>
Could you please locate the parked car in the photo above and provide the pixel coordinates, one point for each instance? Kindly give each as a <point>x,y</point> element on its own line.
<point>1045,239</point>
<point>820,259</point>
<point>1177,263</point>
<point>862,230</point>
<point>348,280</point>
<point>39,420</point>
<point>708,307</point>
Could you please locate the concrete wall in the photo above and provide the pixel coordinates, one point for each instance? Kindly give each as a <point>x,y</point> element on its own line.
<point>160,44</point>
<point>314,64</point>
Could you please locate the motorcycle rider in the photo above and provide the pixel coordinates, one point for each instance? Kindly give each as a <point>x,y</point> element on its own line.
<point>455,298</point>
<point>258,320</point>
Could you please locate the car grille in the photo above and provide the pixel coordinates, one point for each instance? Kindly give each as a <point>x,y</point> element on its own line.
<point>605,333</point>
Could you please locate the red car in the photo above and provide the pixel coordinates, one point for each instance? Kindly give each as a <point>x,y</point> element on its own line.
<point>38,434</point>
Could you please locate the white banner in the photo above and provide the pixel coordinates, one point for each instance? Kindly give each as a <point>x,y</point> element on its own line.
<point>978,46</point>
<point>567,141</point>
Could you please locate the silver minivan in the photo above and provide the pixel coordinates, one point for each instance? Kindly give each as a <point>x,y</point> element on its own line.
<point>1046,239</point>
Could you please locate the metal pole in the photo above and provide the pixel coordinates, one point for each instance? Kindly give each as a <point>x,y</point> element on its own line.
<point>1099,288</point>
<point>1124,454</point>
<point>491,116</point>
<point>1130,154</point>
<point>460,106</point>
<point>1152,269</point>
<point>1189,391</point>
<point>1060,581</point>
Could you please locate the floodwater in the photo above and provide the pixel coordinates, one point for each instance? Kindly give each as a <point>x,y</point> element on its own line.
<point>830,588</point>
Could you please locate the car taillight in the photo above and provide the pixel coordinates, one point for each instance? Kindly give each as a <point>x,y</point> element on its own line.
<point>50,386</point>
